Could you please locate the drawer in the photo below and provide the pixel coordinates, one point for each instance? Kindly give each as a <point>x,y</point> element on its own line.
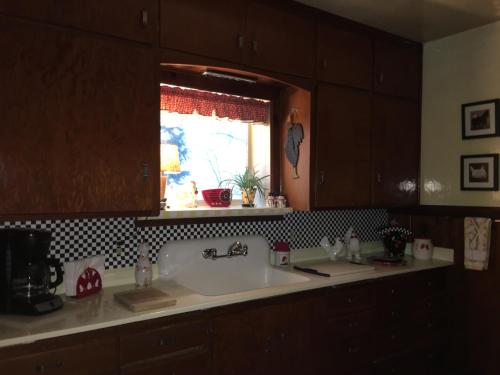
<point>349,299</point>
<point>186,365</point>
<point>392,315</point>
<point>350,354</point>
<point>391,341</point>
<point>430,283</point>
<point>429,329</point>
<point>163,340</point>
<point>351,325</point>
<point>403,364</point>
<point>95,357</point>
<point>395,291</point>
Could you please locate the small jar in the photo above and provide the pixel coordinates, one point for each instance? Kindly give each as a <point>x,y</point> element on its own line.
<point>271,200</point>
<point>281,254</point>
<point>281,201</point>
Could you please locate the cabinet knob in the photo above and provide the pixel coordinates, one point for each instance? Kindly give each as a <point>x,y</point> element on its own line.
<point>255,46</point>
<point>144,17</point>
<point>379,178</point>
<point>241,41</point>
<point>42,369</point>
<point>167,341</point>
<point>324,63</point>
<point>381,77</point>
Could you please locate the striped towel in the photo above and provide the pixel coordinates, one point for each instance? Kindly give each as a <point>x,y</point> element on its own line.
<point>477,233</point>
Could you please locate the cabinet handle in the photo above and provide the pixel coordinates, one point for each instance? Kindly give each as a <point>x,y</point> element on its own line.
<point>353,350</point>
<point>267,345</point>
<point>241,41</point>
<point>42,369</point>
<point>324,63</point>
<point>255,46</point>
<point>167,341</point>
<point>381,77</point>
<point>379,178</point>
<point>283,336</point>
<point>322,177</point>
<point>144,17</point>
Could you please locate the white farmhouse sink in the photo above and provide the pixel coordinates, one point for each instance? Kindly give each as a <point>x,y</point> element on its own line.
<point>182,262</point>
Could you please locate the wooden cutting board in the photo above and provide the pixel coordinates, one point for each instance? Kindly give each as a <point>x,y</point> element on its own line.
<point>142,299</point>
<point>340,268</point>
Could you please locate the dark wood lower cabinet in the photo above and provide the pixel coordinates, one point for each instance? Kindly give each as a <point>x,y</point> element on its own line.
<point>394,325</point>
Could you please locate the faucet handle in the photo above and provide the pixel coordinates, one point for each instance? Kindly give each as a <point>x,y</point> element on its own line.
<point>209,253</point>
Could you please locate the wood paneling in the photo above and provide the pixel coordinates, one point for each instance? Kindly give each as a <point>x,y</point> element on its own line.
<point>342,147</point>
<point>280,41</point>
<point>395,152</point>
<point>397,68</point>
<point>344,57</point>
<point>129,19</point>
<point>79,122</point>
<point>210,28</point>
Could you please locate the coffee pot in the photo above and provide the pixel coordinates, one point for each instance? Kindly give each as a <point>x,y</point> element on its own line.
<point>25,269</point>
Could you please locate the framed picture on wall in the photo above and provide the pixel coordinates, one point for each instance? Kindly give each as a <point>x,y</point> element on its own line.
<point>479,172</point>
<point>480,119</point>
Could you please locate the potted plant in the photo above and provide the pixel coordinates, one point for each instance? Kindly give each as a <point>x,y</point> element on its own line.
<point>249,183</point>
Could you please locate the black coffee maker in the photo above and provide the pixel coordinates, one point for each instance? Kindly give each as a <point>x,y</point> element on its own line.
<point>25,278</point>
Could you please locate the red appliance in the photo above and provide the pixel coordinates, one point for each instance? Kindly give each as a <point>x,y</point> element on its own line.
<point>217,197</point>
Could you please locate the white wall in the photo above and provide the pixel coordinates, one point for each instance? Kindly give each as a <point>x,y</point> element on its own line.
<point>459,69</point>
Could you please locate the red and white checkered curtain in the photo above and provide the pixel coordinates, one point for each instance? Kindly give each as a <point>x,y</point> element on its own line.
<point>187,101</point>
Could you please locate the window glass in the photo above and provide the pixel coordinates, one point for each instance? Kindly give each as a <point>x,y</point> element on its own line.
<point>212,149</point>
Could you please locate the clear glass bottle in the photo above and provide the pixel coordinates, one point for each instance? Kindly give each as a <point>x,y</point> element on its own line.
<point>143,267</point>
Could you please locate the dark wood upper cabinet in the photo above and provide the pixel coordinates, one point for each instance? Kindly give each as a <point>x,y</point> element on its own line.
<point>280,41</point>
<point>209,28</point>
<point>129,19</point>
<point>243,32</point>
<point>80,127</point>
<point>395,151</point>
<point>344,57</point>
<point>397,68</point>
<point>342,147</point>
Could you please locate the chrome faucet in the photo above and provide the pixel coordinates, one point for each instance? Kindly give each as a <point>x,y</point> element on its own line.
<point>235,249</point>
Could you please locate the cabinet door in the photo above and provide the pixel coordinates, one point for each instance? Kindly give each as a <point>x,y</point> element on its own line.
<point>186,365</point>
<point>235,349</point>
<point>397,69</point>
<point>280,41</point>
<point>80,129</point>
<point>344,57</point>
<point>208,28</point>
<point>130,19</point>
<point>342,147</point>
<point>396,142</point>
<point>63,360</point>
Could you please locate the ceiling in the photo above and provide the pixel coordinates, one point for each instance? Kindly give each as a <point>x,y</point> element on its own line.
<point>419,20</point>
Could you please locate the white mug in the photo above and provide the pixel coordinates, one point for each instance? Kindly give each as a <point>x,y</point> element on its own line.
<point>423,248</point>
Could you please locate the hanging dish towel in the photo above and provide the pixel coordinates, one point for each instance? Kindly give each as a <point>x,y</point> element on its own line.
<point>477,231</point>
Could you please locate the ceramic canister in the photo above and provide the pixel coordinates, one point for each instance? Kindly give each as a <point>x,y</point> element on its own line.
<point>422,248</point>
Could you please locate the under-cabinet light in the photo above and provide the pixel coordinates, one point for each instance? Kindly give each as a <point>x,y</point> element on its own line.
<point>216,74</point>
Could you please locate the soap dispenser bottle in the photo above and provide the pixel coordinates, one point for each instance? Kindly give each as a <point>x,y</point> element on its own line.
<point>143,267</point>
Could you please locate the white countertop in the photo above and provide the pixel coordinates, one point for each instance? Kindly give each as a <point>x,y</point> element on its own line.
<point>101,311</point>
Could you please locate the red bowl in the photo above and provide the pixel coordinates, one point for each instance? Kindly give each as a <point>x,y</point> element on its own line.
<point>217,197</point>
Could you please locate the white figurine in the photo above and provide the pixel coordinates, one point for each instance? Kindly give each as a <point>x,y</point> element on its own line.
<point>353,247</point>
<point>143,268</point>
<point>337,249</point>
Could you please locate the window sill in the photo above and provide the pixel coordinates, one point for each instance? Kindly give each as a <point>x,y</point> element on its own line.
<point>212,214</point>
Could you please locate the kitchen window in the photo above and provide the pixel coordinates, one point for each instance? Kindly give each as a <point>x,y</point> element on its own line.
<point>217,135</point>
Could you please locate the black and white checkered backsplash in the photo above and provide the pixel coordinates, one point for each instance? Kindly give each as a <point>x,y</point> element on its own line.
<point>77,239</point>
